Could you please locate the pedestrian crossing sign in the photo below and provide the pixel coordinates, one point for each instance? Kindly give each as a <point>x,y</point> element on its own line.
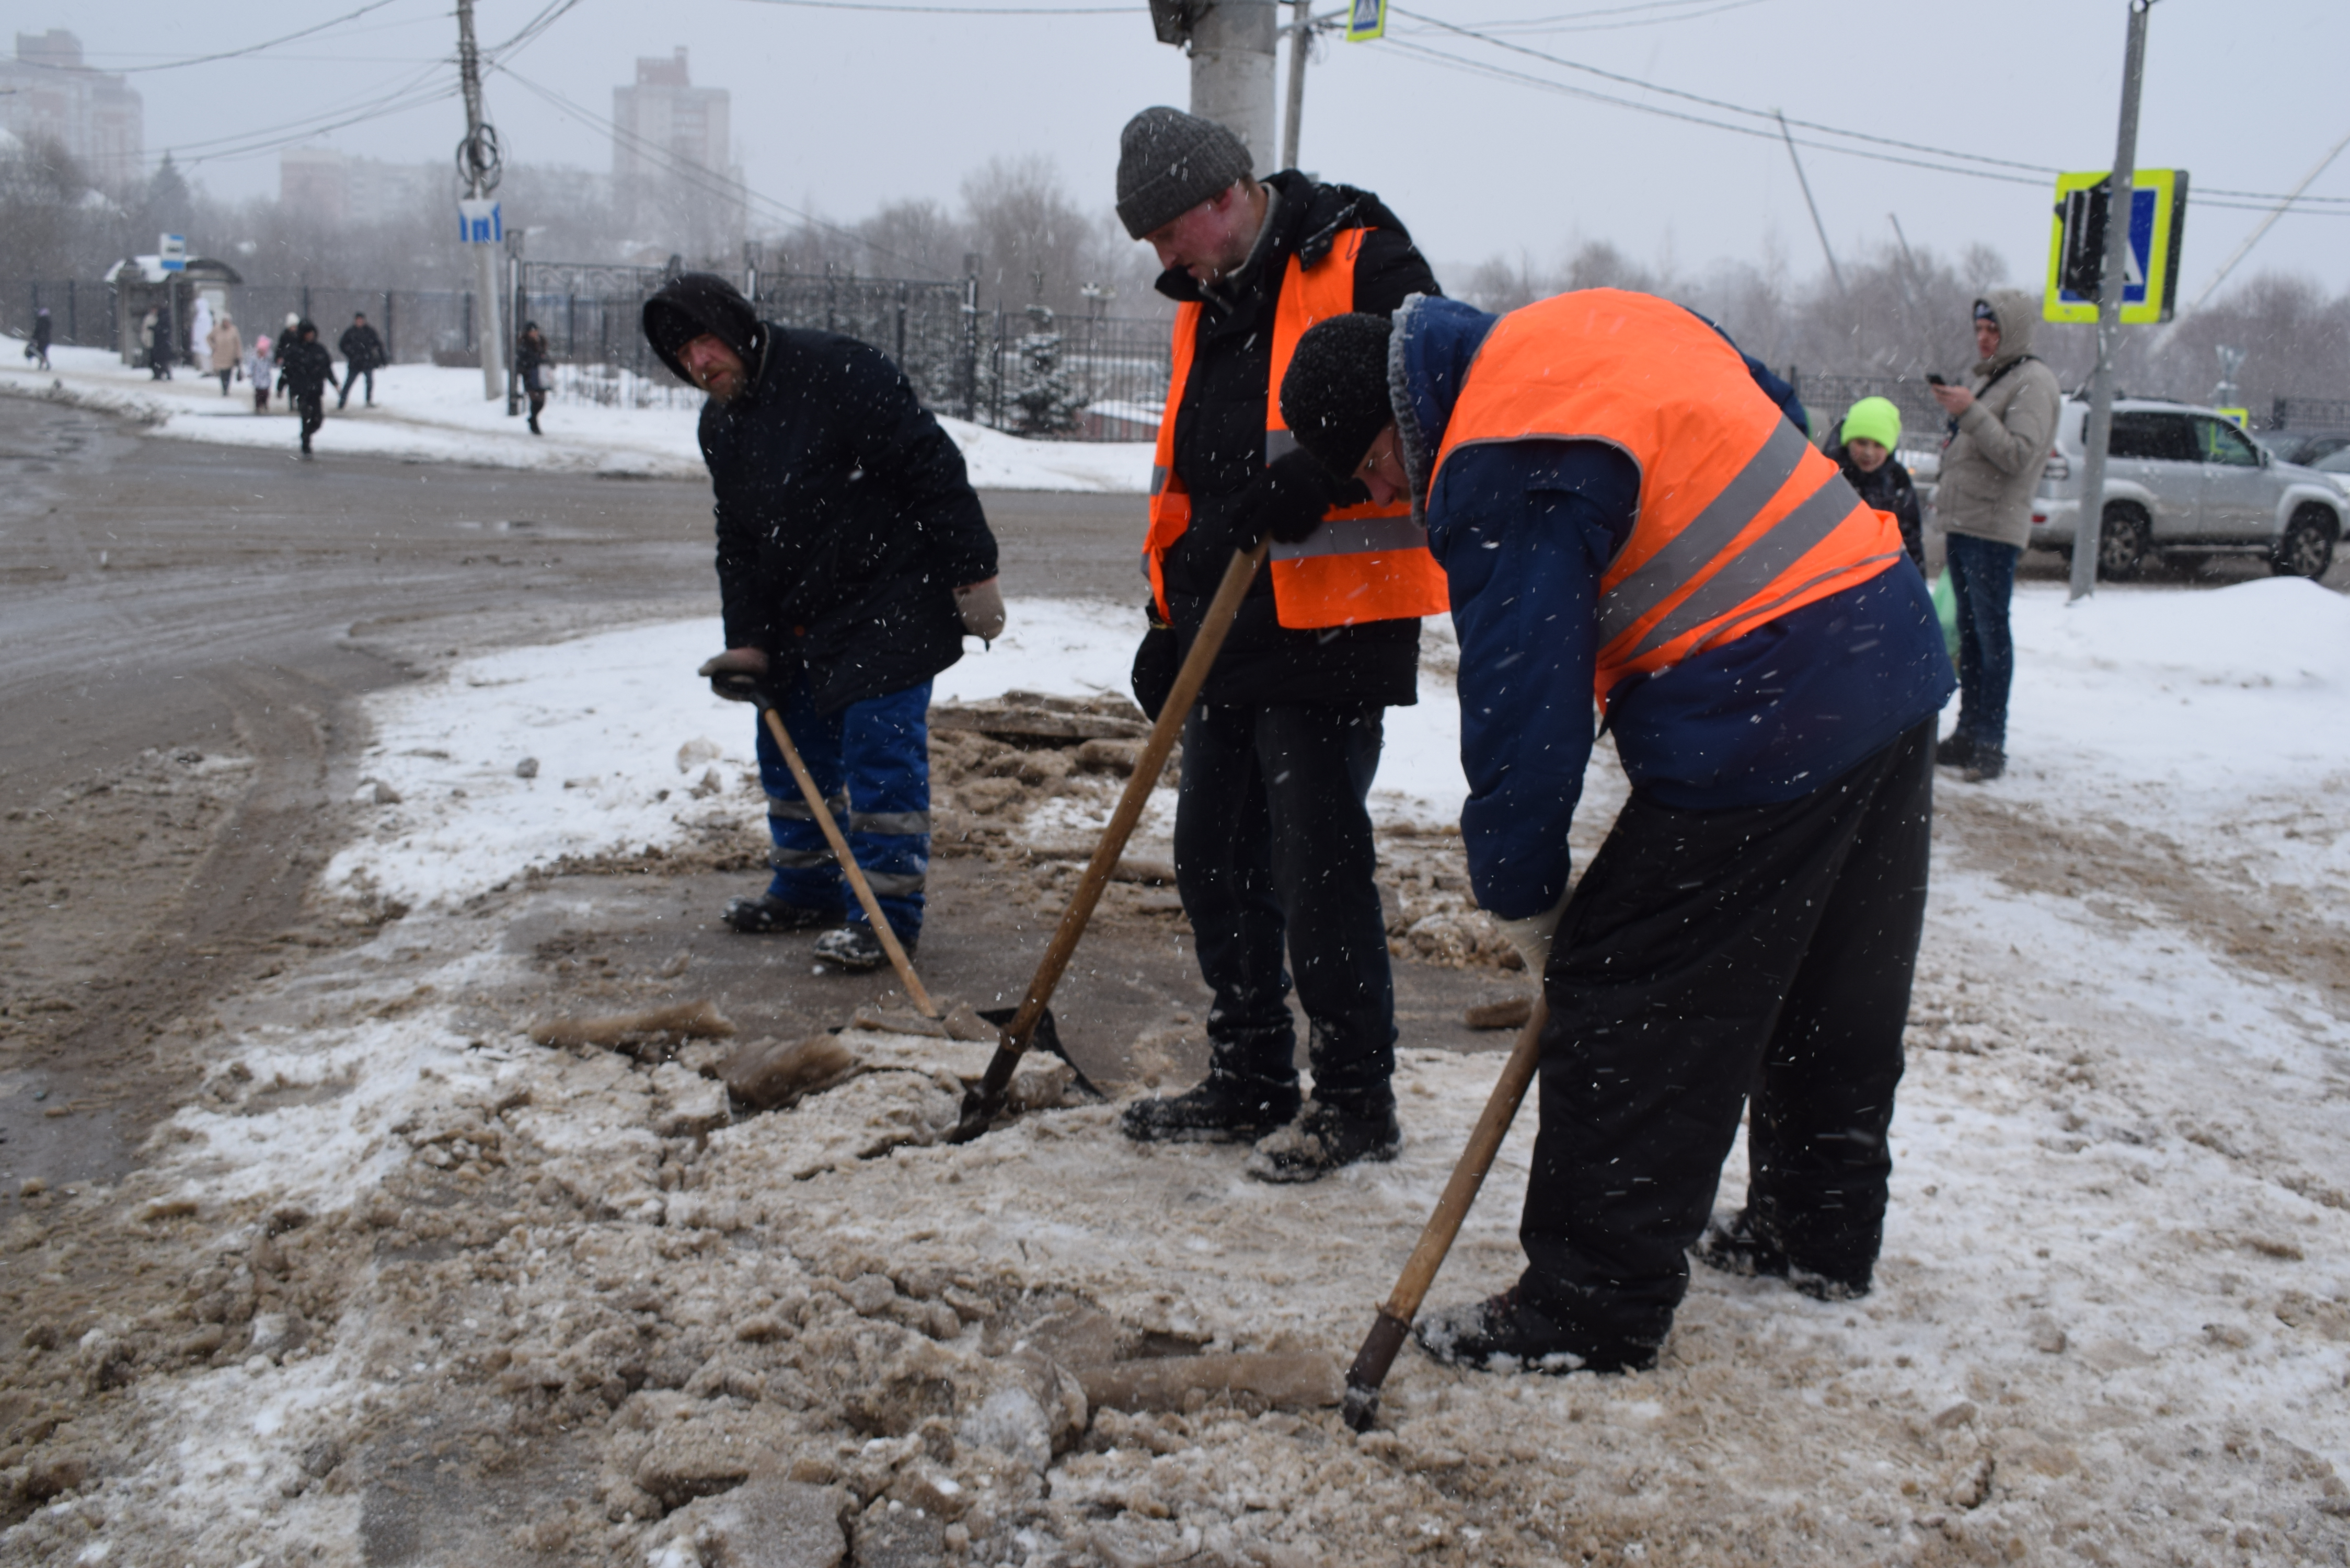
<point>2077,249</point>
<point>1366,19</point>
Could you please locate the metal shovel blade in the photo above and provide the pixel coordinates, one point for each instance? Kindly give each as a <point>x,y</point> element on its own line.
<point>1046,1038</point>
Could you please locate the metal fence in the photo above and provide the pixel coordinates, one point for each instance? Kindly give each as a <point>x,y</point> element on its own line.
<point>1091,379</point>
<point>2328,415</point>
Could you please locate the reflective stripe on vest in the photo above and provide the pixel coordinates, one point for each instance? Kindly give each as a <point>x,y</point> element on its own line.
<point>1365,563</point>
<point>1741,519</point>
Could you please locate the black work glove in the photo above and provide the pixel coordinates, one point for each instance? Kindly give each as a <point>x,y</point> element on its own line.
<point>1156,664</point>
<point>1286,500</point>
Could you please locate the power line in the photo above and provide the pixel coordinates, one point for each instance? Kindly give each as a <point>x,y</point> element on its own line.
<point>958,10</point>
<point>2203,196</point>
<point>1573,22</point>
<point>231,54</point>
<point>2032,175</point>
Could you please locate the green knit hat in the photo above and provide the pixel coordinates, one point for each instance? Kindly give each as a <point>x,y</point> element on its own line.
<point>1873,419</point>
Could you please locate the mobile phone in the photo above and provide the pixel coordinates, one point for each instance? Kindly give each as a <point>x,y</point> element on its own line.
<point>1936,379</point>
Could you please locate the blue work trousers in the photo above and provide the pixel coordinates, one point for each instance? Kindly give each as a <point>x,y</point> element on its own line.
<point>872,761</point>
<point>1982,578</point>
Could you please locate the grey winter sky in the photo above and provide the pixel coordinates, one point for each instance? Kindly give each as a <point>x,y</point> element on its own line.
<point>837,110</point>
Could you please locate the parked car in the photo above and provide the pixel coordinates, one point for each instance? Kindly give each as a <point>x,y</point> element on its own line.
<point>2303,447</point>
<point>2184,484</point>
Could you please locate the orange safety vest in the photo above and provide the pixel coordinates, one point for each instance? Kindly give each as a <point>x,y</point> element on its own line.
<point>1365,563</point>
<point>1741,520</point>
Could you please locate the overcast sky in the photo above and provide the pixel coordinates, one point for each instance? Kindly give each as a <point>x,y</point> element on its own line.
<point>837,110</point>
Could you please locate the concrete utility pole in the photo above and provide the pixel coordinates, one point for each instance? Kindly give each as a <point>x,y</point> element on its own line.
<point>477,160</point>
<point>1301,39</point>
<point>1233,44</point>
<point>2088,530</point>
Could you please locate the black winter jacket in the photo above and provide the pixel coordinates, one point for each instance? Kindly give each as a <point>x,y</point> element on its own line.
<point>307,369</point>
<point>362,348</point>
<point>1220,449</point>
<point>1888,490</point>
<point>845,520</point>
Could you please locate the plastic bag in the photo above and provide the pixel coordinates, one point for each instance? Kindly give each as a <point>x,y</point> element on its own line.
<point>1946,611</point>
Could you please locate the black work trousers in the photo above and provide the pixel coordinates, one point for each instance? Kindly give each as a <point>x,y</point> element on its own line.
<point>1272,850</point>
<point>313,410</point>
<point>1706,954</point>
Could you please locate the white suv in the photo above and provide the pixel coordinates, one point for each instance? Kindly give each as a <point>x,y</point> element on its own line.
<point>2183,483</point>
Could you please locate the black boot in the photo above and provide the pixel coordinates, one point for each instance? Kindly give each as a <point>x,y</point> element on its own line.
<point>756,917</point>
<point>1745,1245</point>
<point>1956,751</point>
<point>1224,1108</point>
<point>1503,1333</point>
<point>855,948</point>
<point>1987,764</point>
<point>1323,1140</point>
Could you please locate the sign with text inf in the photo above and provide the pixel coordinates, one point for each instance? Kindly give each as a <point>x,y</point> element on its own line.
<point>479,222</point>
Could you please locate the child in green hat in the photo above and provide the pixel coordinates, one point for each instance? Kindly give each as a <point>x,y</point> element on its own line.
<point>1864,448</point>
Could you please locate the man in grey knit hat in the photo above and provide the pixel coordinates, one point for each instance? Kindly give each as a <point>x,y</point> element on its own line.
<point>1273,855</point>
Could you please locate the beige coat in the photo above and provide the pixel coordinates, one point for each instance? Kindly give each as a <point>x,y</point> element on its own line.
<point>1992,464</point>
<point>228,346</point>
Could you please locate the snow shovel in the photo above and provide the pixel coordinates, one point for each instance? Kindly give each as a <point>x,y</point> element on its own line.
<point>984,1101</point>
<point>1389,1329</point>
<point>739,688</point>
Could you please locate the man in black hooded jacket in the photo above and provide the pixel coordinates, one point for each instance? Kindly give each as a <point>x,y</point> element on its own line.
<point>1274,854</point>
<point>307,371</point>
<point>852,559</point>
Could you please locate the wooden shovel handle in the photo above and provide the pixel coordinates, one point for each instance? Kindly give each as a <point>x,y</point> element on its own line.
<point>849,867</point>
<point>1213,627</point>
<point>1443,1227</point>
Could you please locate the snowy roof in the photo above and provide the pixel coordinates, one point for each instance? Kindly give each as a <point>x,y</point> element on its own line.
<point>149,269</point>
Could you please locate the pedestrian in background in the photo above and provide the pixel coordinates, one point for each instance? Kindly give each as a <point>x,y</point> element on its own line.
<point>260,368</point>
<point>1864,449</point>
<point>308,370</point>
<point>530,369</point>
<point>227,350</point>
<point>197,350</point>
<point>2001,422</point>
<point>363,355</point>
<point>36,347</point>
<point>155,336</point>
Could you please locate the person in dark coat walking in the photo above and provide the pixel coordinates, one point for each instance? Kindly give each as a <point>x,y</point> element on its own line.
<point>530,369</point>
<point>155,334</point>
<point>852,559</point>
<point>1768,665</point>
<point>307,370</point>
<point>1864,449</point>
<point>1274,853</point>
<point>363,355</point>
<point>37,346</point>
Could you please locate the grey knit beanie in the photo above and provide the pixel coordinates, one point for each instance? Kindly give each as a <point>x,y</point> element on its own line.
<point>1169,162</point>
<point>1334,397</point>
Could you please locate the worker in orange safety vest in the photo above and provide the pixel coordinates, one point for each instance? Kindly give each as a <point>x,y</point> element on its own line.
<point>1274,853</point>
<point>1630,527</point>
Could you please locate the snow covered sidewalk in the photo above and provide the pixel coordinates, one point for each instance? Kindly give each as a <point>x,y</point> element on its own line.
<point>2112,1323</point>
<point>428,413</point>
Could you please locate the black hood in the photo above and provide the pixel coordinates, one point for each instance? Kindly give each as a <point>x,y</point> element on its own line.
<point>692,303</point>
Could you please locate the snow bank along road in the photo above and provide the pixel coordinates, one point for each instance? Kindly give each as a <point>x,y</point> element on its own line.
<point>419,1291</point>
<point>428,413</point>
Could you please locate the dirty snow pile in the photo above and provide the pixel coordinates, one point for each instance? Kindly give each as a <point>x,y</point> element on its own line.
<point>429,414</point>
<point>608,743</point>
<point>597,1314</point>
